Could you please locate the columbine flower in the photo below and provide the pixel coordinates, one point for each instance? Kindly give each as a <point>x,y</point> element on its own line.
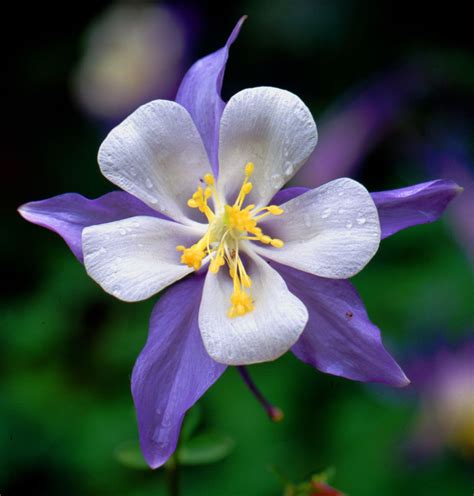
<point>261,272</point>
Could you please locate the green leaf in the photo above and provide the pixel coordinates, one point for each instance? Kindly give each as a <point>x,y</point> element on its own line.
<point>205,448</point>
<point>191,422</point>
<point>324,476</point>
<point>129,454</point>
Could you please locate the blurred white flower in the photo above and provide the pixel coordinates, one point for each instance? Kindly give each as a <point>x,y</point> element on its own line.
<point>133,53</point>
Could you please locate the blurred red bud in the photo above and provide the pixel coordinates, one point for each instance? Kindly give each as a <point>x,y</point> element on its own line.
<point>322,489</point>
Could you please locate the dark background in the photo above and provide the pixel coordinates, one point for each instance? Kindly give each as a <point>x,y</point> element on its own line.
<point>67,349</point>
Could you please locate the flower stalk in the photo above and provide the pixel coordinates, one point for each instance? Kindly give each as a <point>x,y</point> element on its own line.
<point>274,413</point>
<point>172,476</point>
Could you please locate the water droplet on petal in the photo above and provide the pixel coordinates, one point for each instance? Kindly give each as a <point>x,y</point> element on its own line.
<point>349,224</point>
<point>325,213</point>
<point>307,220</point>
<point>288,170</point>
<point>116,291</point>
<point>148,183</point>
<point>102,250</point>
<point>122,231</point>
<point>133,171</point>
<point>166,422</point>
<point>361,219</point>
<point>341,211</point>
<point>275,180</point>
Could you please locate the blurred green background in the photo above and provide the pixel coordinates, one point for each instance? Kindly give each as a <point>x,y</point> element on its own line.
<point>67,349</point>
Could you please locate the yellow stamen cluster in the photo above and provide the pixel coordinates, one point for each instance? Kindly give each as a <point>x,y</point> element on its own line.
<point>193,256</point>
<point>227,226</point>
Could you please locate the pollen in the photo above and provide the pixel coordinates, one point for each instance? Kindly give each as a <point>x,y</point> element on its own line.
<point>193,256</point>
<point>241,304</point>
<point>229,225</point>
<point>209,179</point>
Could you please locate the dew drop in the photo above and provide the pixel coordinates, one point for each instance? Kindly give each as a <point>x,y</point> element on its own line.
<point>122,231</point>
<point>341,211</point>
<point>166,422</point>
<point>102,250</point>
<point>136,224</point>
<point>275,180</point>
<point>341,193</point>
<point>361,220</point>
<point>288,170</point>
<point>116,291</point>
<point>325,213</point>
<point>133,171</point>
<point>349,224</point>
<point>307,220</point>
<point>154,201</point>
<point>148,183</point>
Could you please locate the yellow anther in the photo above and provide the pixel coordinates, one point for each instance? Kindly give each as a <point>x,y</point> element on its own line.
<point>266,239</point>
<point>192,203</point>
<point>249,169</point>
<point>241,304</point>
<point>275,210</point>
<point>193,256</point>
<point>247,188</point>
<point>277,243</point>
<point>216,264</point>
<point>209,179</point>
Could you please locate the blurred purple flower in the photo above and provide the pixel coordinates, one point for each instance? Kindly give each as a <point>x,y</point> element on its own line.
<point>444,383</point>
<point>133,53</point>
<point>450,158</point>
<point>174,369</point>
<point>348,133</point>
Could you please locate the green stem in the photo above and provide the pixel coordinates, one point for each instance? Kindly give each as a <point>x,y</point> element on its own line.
<point>172,476</point>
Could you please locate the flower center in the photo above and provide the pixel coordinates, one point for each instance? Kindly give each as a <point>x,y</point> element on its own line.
<point>228,225</point>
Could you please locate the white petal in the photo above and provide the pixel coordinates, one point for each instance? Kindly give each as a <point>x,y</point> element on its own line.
<point>264,334</point>
<point>271,128</point>
<point>331,231</point>
<point>157,155</point>
<point>135,258</point>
